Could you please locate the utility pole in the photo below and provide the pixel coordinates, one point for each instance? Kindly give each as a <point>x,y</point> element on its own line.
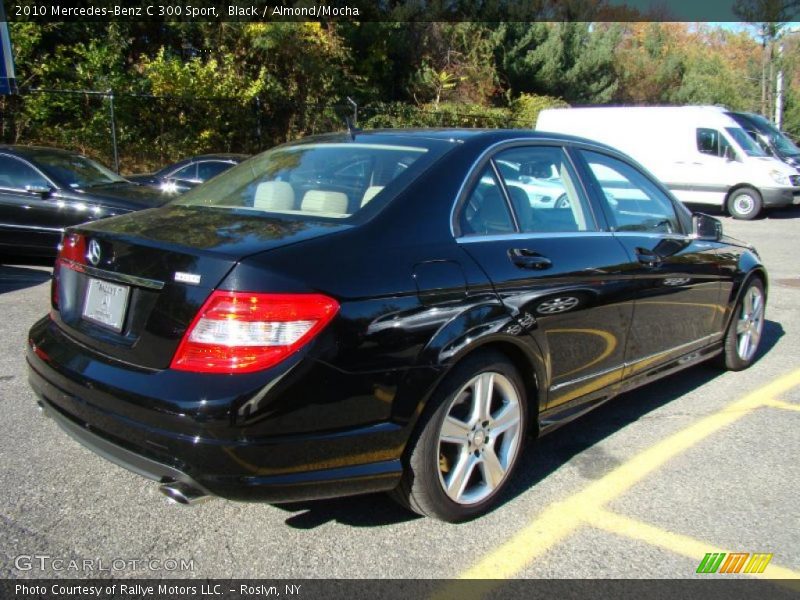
<point>779,93</point>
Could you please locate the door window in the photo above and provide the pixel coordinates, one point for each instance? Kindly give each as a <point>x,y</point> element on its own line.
<point>211,168</point>
<point>635,202</point>
<point>486,211</point>
<point>540,184</point>
<point>15,174</point>
<point>711,141</point>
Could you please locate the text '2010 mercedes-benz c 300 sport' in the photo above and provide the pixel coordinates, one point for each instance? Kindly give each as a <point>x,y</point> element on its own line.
<point>386,310</point>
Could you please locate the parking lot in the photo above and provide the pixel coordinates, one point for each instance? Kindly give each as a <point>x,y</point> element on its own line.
<point>645,486</point>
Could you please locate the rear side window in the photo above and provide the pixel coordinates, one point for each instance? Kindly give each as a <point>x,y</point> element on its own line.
<point>635,202</point>
<point>327,180</point>
<point>541,186</point>
<point>486,211</point>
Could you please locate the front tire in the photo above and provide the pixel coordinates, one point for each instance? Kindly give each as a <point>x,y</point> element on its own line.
<point>745,203</point>
<point>468,441</point>
<point>746,328</point>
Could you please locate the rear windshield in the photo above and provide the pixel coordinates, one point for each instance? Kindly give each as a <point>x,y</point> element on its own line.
<point>320,180</point>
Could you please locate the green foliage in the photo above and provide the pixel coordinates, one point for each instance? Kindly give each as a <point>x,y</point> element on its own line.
<point>442,115</point>
<point>566,60</point>
<point>187,88</point>
<point>526,108</point>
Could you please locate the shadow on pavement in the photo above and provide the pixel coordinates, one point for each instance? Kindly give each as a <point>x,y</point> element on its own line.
<point>16,277</point>
<point>577,439</point>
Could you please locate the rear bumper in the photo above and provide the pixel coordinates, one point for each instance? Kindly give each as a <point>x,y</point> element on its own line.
<point>207,452</point>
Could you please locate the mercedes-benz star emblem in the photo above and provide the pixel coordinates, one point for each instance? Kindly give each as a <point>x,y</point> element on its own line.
<point>93,254</point>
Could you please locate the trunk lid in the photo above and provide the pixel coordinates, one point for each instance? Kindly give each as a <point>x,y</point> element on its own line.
<point>147,274</point>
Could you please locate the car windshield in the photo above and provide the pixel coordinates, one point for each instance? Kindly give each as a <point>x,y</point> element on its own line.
<point>745,142</point>
<point>321,180</point>
<point>75,171</point>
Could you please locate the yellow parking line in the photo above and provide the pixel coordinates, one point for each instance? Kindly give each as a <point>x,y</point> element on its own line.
<point>674,542</point>
<point>562,518</point>
<point>774,403</point>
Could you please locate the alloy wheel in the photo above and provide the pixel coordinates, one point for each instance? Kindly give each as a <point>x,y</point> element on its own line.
<point>750,323</point>
<point>479,438</point>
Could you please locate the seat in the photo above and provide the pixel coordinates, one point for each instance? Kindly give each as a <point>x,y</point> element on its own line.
<point>371,192</point>
<point>274,195</point>
<point>522,206</point>
<point>324,201</point>
<point>489,214</point>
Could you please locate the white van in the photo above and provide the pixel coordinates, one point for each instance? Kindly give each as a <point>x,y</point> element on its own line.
<point>702,155</point>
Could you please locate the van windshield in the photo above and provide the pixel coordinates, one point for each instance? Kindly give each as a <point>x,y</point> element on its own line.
<point>745,142</point>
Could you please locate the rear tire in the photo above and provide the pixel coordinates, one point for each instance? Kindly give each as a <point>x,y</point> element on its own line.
<point>746,328</point>
<point>745,203</point>
<point>468,441</point>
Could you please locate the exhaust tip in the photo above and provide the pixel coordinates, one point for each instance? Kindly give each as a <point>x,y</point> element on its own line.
<point>180,493</point>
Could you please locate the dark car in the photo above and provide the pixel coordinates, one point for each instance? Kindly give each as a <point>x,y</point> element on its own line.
<point>186,174</point>
<point>44,190</point>
<point>282,333</point>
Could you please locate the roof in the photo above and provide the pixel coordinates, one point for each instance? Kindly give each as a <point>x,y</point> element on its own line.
<point>220,156</point>
<point>33,151</point>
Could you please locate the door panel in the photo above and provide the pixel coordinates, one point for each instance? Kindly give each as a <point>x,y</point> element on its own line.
<point>25,217</point>
<point>677,277</point>
<point>563,280</point>
<point>579,308</point>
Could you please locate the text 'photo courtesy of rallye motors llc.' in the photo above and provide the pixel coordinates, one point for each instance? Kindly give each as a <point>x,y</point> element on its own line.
<point>383,311</point>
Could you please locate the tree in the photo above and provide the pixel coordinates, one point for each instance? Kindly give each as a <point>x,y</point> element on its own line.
<point>574,61</point>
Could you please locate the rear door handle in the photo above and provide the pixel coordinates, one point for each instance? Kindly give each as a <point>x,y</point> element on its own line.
<point>648,257</point>
<point>528,259</point>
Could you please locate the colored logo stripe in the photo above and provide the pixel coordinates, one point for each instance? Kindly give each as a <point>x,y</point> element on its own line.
<point>758,562</point>
<point>710,562</point>
<point>733,564</point>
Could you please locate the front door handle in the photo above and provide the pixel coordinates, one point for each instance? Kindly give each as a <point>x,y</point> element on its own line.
<point>528,259</point>
<point>648,257</point>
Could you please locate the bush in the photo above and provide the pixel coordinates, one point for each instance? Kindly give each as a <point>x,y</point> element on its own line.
<point>526,108</point>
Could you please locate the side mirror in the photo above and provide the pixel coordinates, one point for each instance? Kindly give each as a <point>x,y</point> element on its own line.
<point>42,190</point>
<point>705,227</point>
<point>729,153</point>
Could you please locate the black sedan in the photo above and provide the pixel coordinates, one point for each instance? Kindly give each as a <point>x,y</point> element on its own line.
<point>281,334</point>
<point>44,190</point>
<point>186,174</point>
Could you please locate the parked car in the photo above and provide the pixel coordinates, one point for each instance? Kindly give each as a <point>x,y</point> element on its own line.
<point>188,173</point>
<point>699,152</point>
<point>772,141</point>
<point>44,190</point>
<point>279,335</point>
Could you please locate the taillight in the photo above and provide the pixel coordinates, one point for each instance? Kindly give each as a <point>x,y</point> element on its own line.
<point>71,252</point>
<point>73,248</point>
<point>241,332</point>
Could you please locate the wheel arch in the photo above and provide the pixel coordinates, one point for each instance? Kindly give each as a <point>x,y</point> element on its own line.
<point>753,271</point>
<point>529,363</point>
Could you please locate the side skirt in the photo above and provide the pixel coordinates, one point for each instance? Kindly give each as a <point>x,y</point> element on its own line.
<point>552,419</point>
